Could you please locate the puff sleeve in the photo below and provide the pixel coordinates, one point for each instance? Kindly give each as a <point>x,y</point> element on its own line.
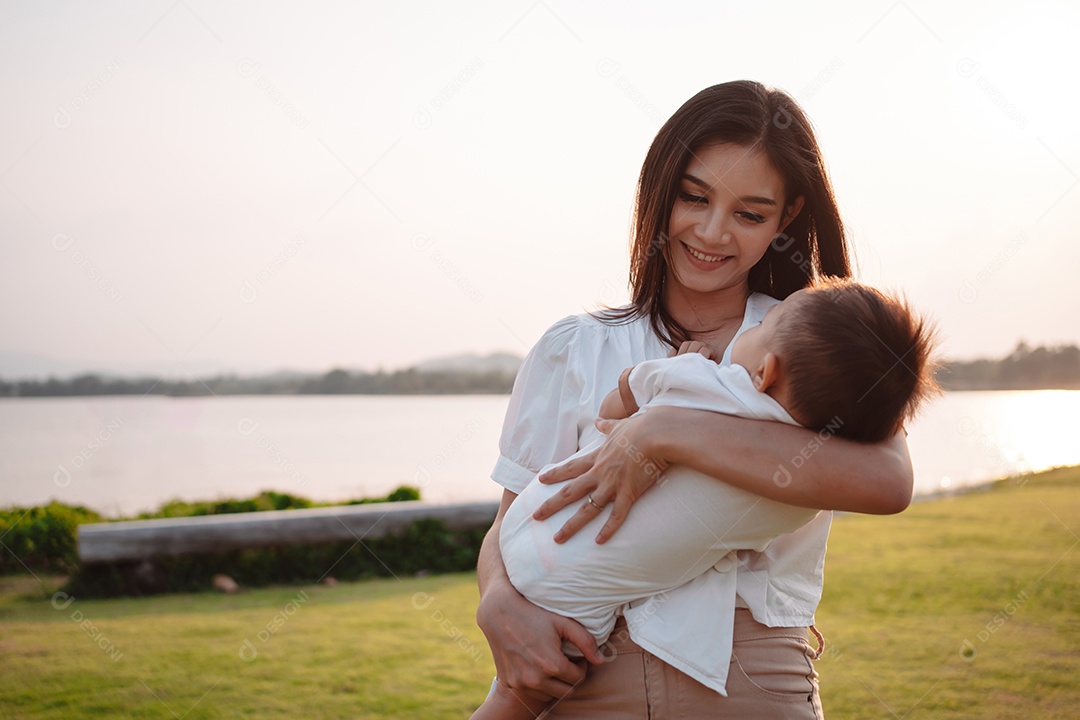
<point>542,418</point>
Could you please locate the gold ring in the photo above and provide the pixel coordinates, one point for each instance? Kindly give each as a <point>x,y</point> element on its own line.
<point>593,503</point>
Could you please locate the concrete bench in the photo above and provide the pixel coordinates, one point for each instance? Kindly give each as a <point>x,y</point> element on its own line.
<point>145,539</point>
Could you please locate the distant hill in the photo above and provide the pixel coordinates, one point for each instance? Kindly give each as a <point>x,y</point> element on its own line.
<point>457,375</point>
<point>26,366</point>
<point>472,363</point>
<point>1025,368</point>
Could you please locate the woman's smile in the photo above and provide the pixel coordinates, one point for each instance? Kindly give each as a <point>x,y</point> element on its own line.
<point>728,208</point>
<point>705,261</point>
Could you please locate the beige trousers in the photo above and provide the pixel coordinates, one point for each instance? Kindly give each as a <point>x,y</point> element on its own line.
<point>772,676</point>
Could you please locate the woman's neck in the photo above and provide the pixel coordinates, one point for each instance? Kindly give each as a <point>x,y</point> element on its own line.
<point>704,314</point>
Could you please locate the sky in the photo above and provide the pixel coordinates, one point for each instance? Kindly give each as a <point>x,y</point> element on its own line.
<point>190,187</point>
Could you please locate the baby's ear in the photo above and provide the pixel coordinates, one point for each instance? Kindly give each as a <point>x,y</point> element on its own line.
<point>768,372</point>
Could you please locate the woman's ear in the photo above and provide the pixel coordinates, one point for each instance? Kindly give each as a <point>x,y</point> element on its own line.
<point>791,212</point>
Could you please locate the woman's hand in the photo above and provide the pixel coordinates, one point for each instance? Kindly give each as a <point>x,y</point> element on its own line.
<point>618,472</point>
<point>526,642</point>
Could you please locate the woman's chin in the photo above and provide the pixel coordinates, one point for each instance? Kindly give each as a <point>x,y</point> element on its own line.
<point>699,283</point>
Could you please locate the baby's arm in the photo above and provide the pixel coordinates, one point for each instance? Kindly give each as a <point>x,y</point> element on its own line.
<point>620,404</point>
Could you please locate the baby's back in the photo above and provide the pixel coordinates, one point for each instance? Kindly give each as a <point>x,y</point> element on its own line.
<point>677,530</point>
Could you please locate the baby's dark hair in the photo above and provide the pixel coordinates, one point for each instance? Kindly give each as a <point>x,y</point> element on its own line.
<point>857,361</point>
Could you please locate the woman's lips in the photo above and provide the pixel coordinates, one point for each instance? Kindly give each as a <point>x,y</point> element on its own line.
<point>703,260</point>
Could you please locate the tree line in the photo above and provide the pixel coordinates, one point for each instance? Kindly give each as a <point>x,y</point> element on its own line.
<point>335,382</point>
<point>1025,368</point>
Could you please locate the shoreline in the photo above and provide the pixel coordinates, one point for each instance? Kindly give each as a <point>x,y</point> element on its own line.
<point>448,393</point>
<point>958,490</point>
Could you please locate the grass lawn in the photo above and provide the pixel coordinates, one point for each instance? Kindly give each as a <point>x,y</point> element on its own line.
<point>963,607</point>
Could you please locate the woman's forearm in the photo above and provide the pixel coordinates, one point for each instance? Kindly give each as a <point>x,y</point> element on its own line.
<point>490,568</point>
<point>783,462</point>
<point>526,641</point>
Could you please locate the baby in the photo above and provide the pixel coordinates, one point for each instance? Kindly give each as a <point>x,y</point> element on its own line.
<point>837,357</point>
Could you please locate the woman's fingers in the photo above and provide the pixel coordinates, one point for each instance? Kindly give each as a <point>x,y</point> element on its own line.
<point>574,633</point>
<point>588,511</point>
<point>576,489</point>
<point>573,473</point>
<point>569,470</point>
<point>617,472</point>
<point>622,505</point>
<point>546,678</point>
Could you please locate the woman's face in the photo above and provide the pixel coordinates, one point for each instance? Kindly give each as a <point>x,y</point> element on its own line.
<point>729,207</point>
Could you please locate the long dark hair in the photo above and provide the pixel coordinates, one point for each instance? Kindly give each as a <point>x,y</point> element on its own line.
<point>743,113</point>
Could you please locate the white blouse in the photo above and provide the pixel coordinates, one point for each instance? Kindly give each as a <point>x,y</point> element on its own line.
<point>556,398</point>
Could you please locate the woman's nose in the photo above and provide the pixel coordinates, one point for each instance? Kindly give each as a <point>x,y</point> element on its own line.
<point>713,229</point>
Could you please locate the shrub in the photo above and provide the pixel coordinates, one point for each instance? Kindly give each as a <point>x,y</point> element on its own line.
<point>41,538</point>
<point>44,539</point>
<point>402,494</point>
<point>266,500</point>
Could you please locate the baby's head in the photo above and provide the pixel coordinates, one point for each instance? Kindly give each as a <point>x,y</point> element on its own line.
<point>841,353</point>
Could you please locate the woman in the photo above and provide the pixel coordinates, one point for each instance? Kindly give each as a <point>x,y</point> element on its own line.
<point>733,199</point>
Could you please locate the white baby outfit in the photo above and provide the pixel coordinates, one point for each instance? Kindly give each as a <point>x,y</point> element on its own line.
<point>692,548</point>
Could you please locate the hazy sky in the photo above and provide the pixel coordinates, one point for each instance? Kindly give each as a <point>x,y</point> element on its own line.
<point>190,186</point>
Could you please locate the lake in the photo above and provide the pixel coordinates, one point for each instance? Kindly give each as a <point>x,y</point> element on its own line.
<point>122,455</point>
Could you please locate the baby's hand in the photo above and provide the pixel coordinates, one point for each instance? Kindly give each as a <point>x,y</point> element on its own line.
<point>694,346</point>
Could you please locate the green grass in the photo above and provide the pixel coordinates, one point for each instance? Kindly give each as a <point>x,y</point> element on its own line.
<point>961,607</point>
<point>370,649</point>
<point>999,570</point>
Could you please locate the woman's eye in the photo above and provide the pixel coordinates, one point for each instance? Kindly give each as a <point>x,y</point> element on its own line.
<point>752,217</point>
<point>692,198</point>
